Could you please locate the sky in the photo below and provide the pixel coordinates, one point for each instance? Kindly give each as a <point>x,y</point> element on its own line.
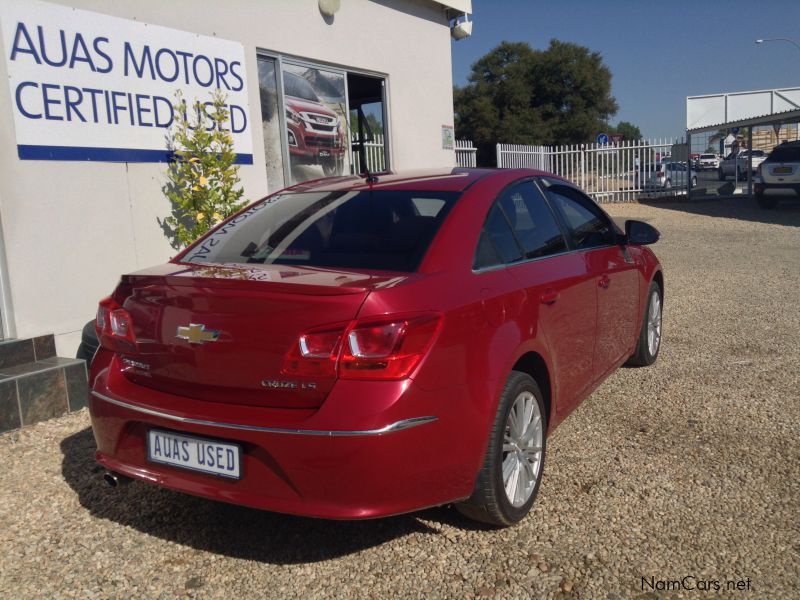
<point>658,52</point>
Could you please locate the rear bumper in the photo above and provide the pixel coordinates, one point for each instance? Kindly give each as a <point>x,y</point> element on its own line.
<point>371,450</point>
<point>782,189</point>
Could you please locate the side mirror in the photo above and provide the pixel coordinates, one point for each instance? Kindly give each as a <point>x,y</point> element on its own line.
<point>640,233</point>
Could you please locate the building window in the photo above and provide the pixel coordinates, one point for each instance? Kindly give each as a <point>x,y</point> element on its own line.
<point>270,121</point>
<point>331,121</point>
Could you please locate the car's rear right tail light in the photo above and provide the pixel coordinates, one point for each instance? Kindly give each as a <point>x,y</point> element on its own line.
<point>389,348</point>
<point>315,353</point>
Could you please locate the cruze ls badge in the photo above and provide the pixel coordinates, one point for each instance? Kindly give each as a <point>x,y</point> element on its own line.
<point>197,334</point>
<point>282,384</point>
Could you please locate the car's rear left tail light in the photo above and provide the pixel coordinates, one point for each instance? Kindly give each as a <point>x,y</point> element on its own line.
<point>390,348</point>
<point>114,327</point>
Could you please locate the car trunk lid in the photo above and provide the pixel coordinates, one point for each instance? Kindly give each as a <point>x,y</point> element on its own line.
<point>221,333</point>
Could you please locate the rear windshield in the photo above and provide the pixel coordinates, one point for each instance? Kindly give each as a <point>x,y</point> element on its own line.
<point>386,230</point>
<point>785,154</point>
<point>707,156</point>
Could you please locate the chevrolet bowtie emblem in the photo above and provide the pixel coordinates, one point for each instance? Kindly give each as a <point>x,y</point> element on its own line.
<point>197,334</point>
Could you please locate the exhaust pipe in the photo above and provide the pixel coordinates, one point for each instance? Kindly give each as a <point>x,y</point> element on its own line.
<point>115,480</point>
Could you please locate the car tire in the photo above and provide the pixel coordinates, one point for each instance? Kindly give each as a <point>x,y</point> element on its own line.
<point>647,347</point>
<point>766,202</point>
<point>89,343</point>
<point>503,501</point>
<point>721,174</point>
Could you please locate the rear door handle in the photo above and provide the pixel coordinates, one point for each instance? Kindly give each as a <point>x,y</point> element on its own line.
<point>604,282</point>
<point>549,296</point>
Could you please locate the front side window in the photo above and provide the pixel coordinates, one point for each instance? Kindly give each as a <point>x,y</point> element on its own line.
<point>589,227</point>
<point>386,230</point>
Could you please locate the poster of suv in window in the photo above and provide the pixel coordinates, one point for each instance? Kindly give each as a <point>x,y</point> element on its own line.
<point>315,102</point>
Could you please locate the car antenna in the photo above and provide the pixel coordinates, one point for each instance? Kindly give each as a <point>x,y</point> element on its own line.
<point>371,178</point>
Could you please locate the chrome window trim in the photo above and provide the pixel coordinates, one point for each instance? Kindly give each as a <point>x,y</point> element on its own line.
<point>530,260</point>
<point>391,428</point>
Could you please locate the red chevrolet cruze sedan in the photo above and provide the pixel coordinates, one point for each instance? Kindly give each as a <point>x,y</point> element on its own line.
<point>359,347</point>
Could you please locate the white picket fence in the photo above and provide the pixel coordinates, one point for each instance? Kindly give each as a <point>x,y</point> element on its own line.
<point>617,172</point>
<point>376,160</point>
<point>465,153</point>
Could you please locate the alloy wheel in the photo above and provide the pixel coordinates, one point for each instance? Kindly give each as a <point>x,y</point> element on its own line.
<point>654,323</point>
<point>522,449</point>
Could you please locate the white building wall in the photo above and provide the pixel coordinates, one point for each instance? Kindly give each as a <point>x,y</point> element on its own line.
<point>69,229</point>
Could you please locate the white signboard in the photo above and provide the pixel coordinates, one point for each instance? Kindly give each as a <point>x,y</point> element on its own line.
<point>86,86</point>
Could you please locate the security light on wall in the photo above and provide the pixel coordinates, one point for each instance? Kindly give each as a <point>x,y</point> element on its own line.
<point>461,27</point>
<point>328,8</point>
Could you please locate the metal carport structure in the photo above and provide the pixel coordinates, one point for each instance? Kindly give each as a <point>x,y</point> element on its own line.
<point>741,109</point>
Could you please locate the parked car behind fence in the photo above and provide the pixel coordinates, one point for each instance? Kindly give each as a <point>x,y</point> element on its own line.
<point>779,175</point>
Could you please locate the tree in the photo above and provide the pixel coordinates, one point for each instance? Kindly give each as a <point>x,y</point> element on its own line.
<point>628,131</point>
<point>519,95</point>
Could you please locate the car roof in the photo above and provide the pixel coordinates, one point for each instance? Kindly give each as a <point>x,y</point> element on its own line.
<point>785,144</point>
<point>448,179</point>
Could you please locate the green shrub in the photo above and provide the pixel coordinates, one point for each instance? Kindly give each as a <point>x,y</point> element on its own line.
<point>202,178</point>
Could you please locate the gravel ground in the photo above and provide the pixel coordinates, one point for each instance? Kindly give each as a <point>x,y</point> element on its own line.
<point>687,468</point>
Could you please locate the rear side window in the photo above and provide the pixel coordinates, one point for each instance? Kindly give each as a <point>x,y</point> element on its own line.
<point>534,224</point>
<point>497,244</point>
<point>785,154</point>
<point>520,225</point>
<point>373,229</point>
<point>588,225</point>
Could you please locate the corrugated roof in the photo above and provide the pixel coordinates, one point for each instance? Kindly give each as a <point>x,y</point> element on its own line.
<point>715,111</point>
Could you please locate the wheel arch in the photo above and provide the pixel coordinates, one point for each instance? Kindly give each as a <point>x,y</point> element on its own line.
<point>658,278</point>
<point>534,365</point>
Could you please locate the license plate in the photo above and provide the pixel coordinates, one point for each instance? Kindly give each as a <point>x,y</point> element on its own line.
<point>324,154</point>
<point>782,170</point>
<point>194,453</point>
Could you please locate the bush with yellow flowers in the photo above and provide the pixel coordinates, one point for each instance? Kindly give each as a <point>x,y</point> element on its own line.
<point>202,178</point>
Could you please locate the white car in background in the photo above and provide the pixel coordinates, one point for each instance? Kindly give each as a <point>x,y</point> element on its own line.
<point>779,175</point>
<point>737,165</point>
<point>669,175</point>
<point>707,162</point>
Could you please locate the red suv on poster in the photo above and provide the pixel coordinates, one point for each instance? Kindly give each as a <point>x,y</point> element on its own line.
<point>316,134</point>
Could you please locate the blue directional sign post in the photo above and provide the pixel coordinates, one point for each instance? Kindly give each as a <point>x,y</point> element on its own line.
<point>602,138</point>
